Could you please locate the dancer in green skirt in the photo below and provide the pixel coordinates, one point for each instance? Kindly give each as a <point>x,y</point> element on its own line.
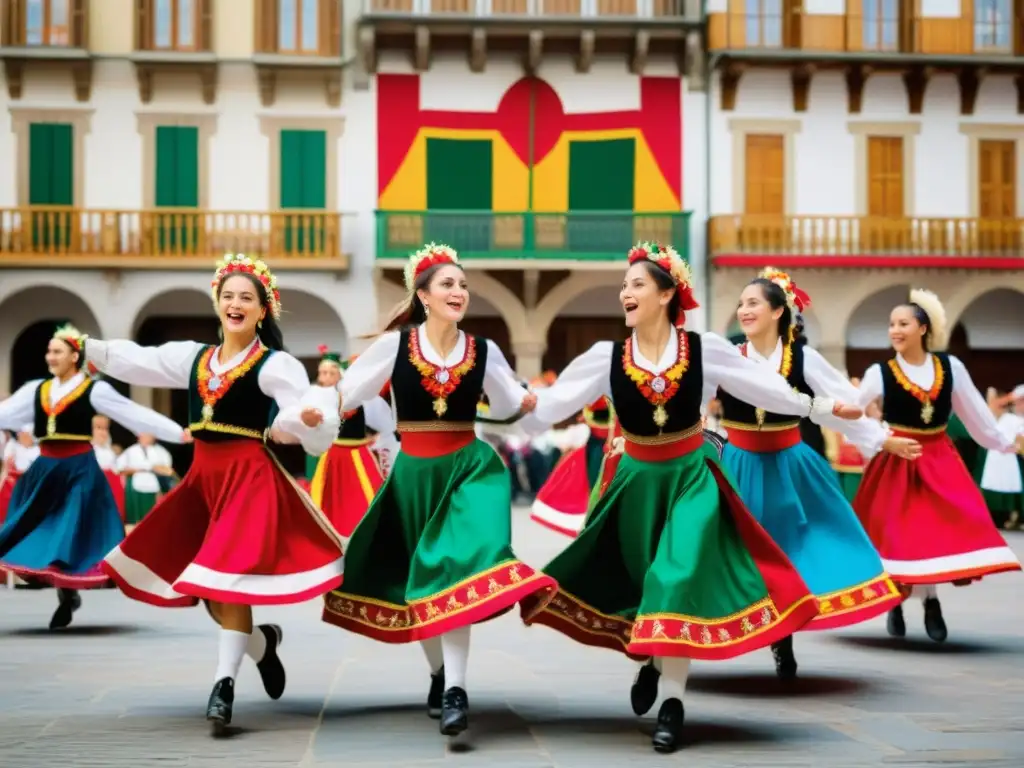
<point>670,564</point>
<point>433,554</point>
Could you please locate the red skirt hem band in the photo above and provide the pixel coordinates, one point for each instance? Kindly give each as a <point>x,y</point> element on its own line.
<point>949,577</point>
<point>56,578</point>
<point>554,527</point>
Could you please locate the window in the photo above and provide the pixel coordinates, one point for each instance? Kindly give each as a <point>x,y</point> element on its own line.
<point>303,186</point>
<point>997,179</point>
<point>47,22</point>
<point>602,175</point>
<point>298,26</point>
<point>764,23</point>
<point>881,25</point>
<point>177,167</point>
<point>885,176</point>
<point>993,25</point>
<point>50,164</point>
<point>765,164</point>
<point>175,25</point>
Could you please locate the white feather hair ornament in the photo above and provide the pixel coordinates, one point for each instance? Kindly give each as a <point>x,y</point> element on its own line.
<point>929,302</point>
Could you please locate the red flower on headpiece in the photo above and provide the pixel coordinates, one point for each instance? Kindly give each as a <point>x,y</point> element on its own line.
<point>666,257</point>
<point>795,297</point>
<point>322,349</point>
<point>426,257</point>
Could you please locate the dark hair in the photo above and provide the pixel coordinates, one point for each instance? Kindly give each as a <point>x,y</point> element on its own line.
<point>665,282</point>
<point>268,331</point>
<point>788,321</point>
<point>410,311</point>
<point>922,318</point>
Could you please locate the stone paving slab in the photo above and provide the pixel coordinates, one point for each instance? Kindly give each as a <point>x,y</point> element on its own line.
<point>126,687</point>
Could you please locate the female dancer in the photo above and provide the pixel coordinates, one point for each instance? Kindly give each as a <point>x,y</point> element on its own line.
<point>999,475</point>
<point>670,563</point>
<point>107,459</point>
<point>236,531</point>
<point>18,456</point>
<point>789,488</point>
<point>143,464</point>
<point>927,518</point>
<point>62,518</point>
<point>348,476</point>
<point>432,555</point>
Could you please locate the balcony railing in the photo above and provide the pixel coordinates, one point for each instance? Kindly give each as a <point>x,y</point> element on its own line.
<point>298,27</point>
<point>554,9</point>
<point>590,236</point>
<point>865,235</point>
<point>175,26</point>
<point>66,233</point>
<point>45,24</point>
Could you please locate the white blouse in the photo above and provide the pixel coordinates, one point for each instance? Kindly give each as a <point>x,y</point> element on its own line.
<point>866,434</point>
<point>370,372</point>
<point>105,457</point>
<point>282,378</point>
<point>588,377</point>
<point>968,402</point>
<point>20,407</point>
<point>142,459</point>
<point>380,419</point>
<point>20,456</point>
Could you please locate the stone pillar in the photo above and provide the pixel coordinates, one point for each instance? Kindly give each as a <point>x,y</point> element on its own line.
<point>144,396</point>
<point>529,356</point>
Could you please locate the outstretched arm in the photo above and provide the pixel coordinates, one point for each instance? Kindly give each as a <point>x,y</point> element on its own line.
<point>974,412</point>
<point>307,413</point>
<point>168,365</point>
<point>129,414</point>
<point>20,408</point>
<point>582,382</point>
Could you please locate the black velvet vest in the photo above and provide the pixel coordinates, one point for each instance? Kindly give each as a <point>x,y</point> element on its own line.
<point>635,412</point>
<point>73,423</point>
<point>415,403</point>
<point>354,425</point>
<point>243,411</point>
<point>902,409</point>
<point>738,412</point>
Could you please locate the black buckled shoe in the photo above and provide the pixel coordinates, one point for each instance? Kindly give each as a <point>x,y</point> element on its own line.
<point>785,660</point>
<point>644,692</point>
<point>436,695</point>
<point>668,733</point>
<point>218,709</point>
<point>454,712</point>
<point>69,602</point>
<point>934,624</point>
<point>894,623</point>
<point>270,667</point>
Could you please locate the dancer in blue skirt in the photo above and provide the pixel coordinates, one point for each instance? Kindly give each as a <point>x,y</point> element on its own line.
<point>788,486</point>
<point>63,520</point>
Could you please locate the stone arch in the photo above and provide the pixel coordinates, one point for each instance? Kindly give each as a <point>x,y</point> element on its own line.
<point>994,319</point>
<point>868,322</point>
<point>569,288</point>
<point>506,303</point>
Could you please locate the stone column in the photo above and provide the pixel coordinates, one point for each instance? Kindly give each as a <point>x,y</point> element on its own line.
<point>835,354</point>
<point>529,356</point>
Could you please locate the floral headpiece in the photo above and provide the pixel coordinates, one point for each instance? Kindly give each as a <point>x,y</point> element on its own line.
<point>238,262</point>
<point>71,336</point>
<point>796,299</point>
<point>937,326</point>
<point>666,257</point>
<point>428,256</point>
<point>327,356</point>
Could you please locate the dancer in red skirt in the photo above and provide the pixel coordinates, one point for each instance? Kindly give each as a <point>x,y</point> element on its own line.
<point>927,517</point>
<point>236,531</point>
<point>107,459</point>
<point>348,476</point>
<point>18,456</point>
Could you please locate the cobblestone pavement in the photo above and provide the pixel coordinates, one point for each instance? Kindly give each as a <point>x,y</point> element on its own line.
<point>126,685</point>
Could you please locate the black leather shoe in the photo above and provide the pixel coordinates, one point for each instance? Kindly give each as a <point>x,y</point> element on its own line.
<point>434,698</point>
<point>644,692</point>
<point>894,624</point>
<point>454,712</point>
<point>785,661</point>
<point>934,624</point>
<point>668,733</point>
<point>270,667</point>
<point>69,602</point>
<point>218,710</point>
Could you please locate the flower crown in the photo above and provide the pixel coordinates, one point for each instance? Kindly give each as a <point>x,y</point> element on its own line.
<point>666,257</point>
<point>239,262</point>
<point>796,299</point>
<point>428,256</point>
<point>71,336</point>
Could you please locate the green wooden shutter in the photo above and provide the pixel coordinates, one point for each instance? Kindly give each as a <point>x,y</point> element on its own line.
<point>177,186</point>
<point>303,186</point>
<point>40,164</point>
<point>460,177</point>
<point>51,181</point>
<point>601,178</point>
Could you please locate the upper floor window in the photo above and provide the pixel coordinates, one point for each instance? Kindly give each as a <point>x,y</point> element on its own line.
<point>993,25</point>
<point>764,23</point>
<point>881,25</point>
<point>175,25</point>
<point>298,26</point>
<point>47,22</point>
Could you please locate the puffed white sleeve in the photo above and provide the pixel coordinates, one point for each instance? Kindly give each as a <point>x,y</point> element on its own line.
<point>871,387</point>
<point>585,379</point>
<point>867,435</point>
<point>970,406</point>
<point>366,377</point>
<point>132,416</point>
<point>168,365</point>
<point>754,383</point>
<point>20,408</point>
<point>504,393</point>
<point>284,378</point>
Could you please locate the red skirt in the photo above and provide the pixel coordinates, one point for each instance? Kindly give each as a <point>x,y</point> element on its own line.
<point>236,529</point>
<point>116,488</point>
<point>927,518</point>
<point>6,489</point>
<point>561,503</point>
<point>346,480</point>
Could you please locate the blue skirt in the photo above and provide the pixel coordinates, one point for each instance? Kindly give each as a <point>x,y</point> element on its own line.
<point>62,521</point>
<point>796,497</point>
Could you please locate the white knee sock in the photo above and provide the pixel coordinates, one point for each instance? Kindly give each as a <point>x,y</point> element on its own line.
<point>924,591</point>
<point>432,650</point>
<point>455,651</point>
<point>232,650</point>
<point>674,671</point>
<point>256,645</point>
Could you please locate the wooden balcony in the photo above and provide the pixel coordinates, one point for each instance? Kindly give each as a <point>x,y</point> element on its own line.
<point>167,238</point>
<point>174,35</point>
<point>864,241</point>
<point>531,28</point>
<point>48,34</point>
<point>298,37</point>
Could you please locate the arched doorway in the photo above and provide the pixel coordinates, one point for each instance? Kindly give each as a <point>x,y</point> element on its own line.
<point>592,316</point>
<point>867,332</point>
<point>991,339</point>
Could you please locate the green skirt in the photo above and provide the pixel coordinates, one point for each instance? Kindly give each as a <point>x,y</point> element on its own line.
<point>849,482</point>
<point>137,505</point>
<point>433,552</point>
<point>671,563</point>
